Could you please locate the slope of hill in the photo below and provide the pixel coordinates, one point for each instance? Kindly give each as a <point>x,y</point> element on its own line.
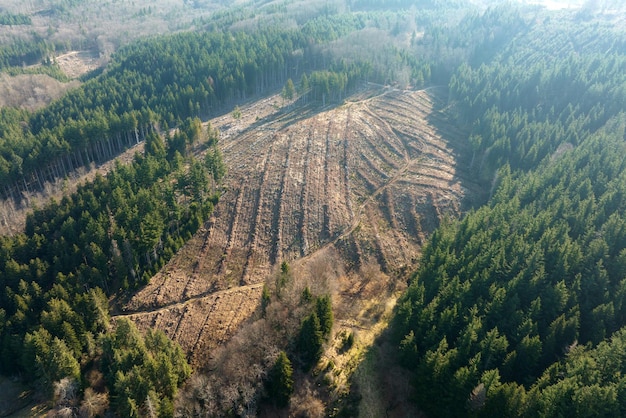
<point>371,178</point>
<point>513,305</point>
<point>329,207</point>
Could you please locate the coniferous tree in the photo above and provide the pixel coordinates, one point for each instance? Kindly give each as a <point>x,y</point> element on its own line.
<point>280,382</point>
<point>310,340</point>
<point>324,311</point>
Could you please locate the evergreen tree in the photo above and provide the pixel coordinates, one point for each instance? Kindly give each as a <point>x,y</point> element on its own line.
<point>236,113</point>
<point>280,383</point>
<point>288,90</point>
<point>310,340</point>
<point>324,311</point>
<point>265,300</point>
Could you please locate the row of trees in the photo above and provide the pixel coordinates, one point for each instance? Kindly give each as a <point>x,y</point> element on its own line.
<point>24,51</point>
<point>506,292</point>
<point>513,305</point>
<point>526,104</point>
<point>161,81</point>
<point>154,82</point>
<point>10,19</point>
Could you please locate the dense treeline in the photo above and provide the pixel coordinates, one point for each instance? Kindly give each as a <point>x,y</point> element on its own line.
<point>163,80</point>
<point>159,80</point>
<point>24,51</point>
<point>511,309</point>
<point>144,372</point>
<point>475,39</point>
<point>532,100</point>
<point>10,19</point>
<point>504,293</point>
<point>112,234</point>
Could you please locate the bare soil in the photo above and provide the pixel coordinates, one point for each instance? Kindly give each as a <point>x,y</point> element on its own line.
<point>76,63</point>
<point>369,179</point>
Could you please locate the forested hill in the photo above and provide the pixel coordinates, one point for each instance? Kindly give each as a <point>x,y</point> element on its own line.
<point>114,233</point>
<point>519,309</point>
<point>163,80</point>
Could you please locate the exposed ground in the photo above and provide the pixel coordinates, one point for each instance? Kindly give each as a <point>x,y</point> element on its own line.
<point>76,63</point>
<point>367,180</point>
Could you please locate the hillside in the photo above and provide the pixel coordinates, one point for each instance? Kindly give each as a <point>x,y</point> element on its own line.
<point>517,309</point>
<point>369,179</point>
<point>354,207</point>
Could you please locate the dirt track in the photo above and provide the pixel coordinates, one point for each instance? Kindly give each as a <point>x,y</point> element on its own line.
<point>371,179</point>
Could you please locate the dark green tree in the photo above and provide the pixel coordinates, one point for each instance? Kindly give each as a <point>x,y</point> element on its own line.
<point>288,91</point>
<point>265,300</point>
<point>309,342</point>
<point>280,381</point>
<point>324,311</point>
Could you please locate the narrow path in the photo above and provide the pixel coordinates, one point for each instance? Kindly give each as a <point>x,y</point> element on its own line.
<point>185,302</point>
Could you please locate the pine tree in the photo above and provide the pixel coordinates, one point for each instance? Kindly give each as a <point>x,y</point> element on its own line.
<point>289,90</point>
<point>324,310</point>
<point>280,383</point>
<point>236,113</point>
<point>265,300</point>
<point>310,341</point>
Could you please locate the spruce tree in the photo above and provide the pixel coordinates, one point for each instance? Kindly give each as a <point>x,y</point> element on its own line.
<point>310,341</point>
<point>324,310</point>
<point>280,383</point>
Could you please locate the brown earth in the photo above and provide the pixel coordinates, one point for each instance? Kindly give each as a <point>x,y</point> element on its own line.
<point>366,182</point>
<point>76,63</point>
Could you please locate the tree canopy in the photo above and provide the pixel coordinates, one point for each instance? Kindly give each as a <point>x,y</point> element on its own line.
<point>513,305</point>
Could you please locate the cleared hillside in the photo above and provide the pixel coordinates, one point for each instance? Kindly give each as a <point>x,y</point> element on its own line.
<point>370,178</point>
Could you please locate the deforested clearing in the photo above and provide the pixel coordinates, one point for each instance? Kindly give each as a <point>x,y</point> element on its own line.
<point>367,180</point>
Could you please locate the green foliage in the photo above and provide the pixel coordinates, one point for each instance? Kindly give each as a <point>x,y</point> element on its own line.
<point>265,300</point>
<point>24,51</point>
<point>588,382</point>
<point>112,234</point>
<point>306,296</point>
<point>214,163</point>
<point>169,80</point>
<point>539,96</point>
<point>283,277</point>
<point>49,359</point>
<point>324,311</point>
<point>289,90</point>
<point>50,69</point>
<point>309,342</point>
<point>347,341</point>
<point>304,85</point>
<point>10,19</point>
<point>515,283</point>
<point>143,372</point>
<point>504,293</point>
<point>280,381</point>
